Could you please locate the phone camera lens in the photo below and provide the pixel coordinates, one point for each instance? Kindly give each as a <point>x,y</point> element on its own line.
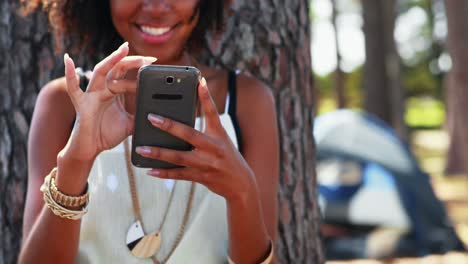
<point>170,79</point>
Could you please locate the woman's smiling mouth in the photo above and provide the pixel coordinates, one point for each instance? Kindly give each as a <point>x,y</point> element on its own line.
<point>155,34</point>
<point>155,31</point>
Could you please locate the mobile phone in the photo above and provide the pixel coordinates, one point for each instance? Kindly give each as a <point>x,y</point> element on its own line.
<point>168,91</point>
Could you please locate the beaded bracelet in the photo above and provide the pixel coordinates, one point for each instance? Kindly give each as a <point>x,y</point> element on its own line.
<point>54,206</point>
<point>64,199</point>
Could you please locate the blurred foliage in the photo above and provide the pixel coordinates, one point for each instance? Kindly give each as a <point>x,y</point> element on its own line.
<point>353,85</point>
<point>422,78</point>
<point>422,112</point>
<point>422,75</point>
<point>418,81</point>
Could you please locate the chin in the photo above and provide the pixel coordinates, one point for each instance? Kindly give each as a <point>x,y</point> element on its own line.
<point>168,59</point>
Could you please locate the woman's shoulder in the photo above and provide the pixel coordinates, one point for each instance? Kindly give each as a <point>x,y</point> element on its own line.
<point>253,94</point>
<point>256,112</point>
<point>53,102</point>
<point>55,90</point>
<point>54,94</point>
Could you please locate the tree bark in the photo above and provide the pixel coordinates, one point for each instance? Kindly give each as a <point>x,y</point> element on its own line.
<point>26,64</point>
<point>383,91</point>
<point>457,92</point>
<point>268,39</point>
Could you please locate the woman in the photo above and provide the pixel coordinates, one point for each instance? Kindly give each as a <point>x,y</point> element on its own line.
<point>231,211</point>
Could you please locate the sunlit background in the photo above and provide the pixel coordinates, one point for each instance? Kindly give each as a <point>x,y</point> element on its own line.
<point>421,37</point>
<point>417,38</point>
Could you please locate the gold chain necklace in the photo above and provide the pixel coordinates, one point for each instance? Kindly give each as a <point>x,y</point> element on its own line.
<point>142,245</point>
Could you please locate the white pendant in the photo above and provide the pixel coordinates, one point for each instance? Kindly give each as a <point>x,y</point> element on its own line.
<point>141,245</point>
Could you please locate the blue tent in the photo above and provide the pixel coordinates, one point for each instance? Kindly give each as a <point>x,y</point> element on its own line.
<point>368,177</point>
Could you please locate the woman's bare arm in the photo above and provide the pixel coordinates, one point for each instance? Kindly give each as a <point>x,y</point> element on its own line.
<point>258,122</point>
<point>46,237</point>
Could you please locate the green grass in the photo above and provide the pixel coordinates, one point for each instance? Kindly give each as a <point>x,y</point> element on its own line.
<point>421,112</point>
<point>326,104</point>
<point>424,112</point>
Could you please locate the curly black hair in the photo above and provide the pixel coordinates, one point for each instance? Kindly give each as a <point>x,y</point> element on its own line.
<point>86,25</point>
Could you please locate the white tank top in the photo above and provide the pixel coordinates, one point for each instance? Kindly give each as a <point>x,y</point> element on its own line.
<point>104,227</point>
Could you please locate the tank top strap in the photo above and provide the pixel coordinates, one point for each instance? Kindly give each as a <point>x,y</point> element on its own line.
<point>226,104</point>
<point>84,77</point>
<point>231,105</point>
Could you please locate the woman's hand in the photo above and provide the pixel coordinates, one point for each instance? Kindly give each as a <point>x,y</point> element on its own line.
<point>214,161</point>
<point>101,119</point>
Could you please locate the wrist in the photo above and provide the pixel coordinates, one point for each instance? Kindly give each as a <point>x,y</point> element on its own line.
<point>72,174</point>
<point>244,196</point>
<point>68,157</point>
<point>267,259</point>
<point>247,197</point>
<point>245,221</point>
<point>77,150</point>
<point>245,215</point>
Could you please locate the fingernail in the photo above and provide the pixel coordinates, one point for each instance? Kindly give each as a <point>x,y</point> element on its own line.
<point>205,90</point>
<point>149,59</point>
<point>124,45</point>
<point>143,150</point>
<point>66,57</point>
<point>153,172</point>
<point>155,119</point>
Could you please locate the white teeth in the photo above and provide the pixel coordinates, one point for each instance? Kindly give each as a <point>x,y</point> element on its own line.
<point>155,31</point>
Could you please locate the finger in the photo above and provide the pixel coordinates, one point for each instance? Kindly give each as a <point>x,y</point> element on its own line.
<point>185,174</point>
<point>182,158</point>
<point>184,132</point>
<point>116,83</point>
<point>207,105</point>
<point>121,86</point>
<point>72,81</point>
<point>130,62</point>
<point>103,67</point>
<point>130,119</point>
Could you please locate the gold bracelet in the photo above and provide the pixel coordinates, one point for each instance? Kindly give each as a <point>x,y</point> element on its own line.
<point>64,199</point>
<point>266,261</point>
<point>56,208</point>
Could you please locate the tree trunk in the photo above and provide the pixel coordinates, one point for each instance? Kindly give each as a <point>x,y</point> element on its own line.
<point>457,92</point>
<point>25,65</point>
<point>269,39</point>
<point>383,91</point>
<point>339,75</point>
<point>437,45</point>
